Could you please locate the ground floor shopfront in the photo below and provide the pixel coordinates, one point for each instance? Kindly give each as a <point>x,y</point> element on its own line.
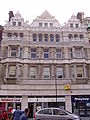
<point>78,104</point>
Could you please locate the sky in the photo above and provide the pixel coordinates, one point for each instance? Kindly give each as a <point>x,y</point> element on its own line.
<point>30,9</point>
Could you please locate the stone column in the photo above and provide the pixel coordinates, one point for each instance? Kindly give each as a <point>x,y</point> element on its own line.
<point>68,103</point>
<point>24,102</point>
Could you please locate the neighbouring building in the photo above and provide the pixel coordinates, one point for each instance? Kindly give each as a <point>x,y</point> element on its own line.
<point>45,64</point>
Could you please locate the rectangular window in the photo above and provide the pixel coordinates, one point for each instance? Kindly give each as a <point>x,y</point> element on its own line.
<point>76,25</point>
<point>33,72</point>
<point>12,71</point>
<point>45,24</point>
<point>40,24</point>
<point>79,70</point>
<point>13,52</point>
<point>71,25</point>
<point>59,72</point>
<point>33,53</point>
<point>46,53</point>
<point>19,23</point>
<point>51,24</point>
<point>46,72</point>
<point>21,52</point>
<point>78,52</point>
<point>46,37</point>
<point>14,23</point>
<point>58,53</point>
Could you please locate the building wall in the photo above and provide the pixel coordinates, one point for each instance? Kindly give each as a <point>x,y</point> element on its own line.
<point>68,74</point>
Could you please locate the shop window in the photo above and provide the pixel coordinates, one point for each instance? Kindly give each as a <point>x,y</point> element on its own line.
<point>33,72</point>
<point>59,72</point>
<point>33,53</point>
<point>46,73</point>
<point>12,71</point>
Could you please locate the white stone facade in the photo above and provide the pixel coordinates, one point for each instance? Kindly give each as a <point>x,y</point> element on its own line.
<point>44,60</point>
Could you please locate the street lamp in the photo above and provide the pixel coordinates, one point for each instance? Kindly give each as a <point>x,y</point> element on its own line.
<point>55,91</point>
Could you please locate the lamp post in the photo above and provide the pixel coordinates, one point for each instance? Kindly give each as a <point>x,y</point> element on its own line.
<point>55,91</point>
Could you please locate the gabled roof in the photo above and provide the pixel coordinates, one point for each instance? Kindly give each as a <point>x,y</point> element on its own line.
<point>45,15</point>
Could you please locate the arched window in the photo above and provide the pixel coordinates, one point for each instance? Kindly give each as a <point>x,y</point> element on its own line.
<point>21,35</point>
<point>40,37</point>
<point>51,38</point>
<point>9,35</point>
<point>57,37</point>
<point>34,37</point>
<point>15,35</point>
<point>70,36</point>
<point>75,36</point>
<point>81,36</point>
<point>46,37</point>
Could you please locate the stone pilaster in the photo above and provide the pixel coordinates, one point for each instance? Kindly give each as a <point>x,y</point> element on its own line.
<point>68,103</point>
<point>24,102</point>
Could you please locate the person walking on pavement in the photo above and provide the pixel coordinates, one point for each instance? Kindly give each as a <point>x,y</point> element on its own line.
<point>25,115</point>
<point>17,113</point>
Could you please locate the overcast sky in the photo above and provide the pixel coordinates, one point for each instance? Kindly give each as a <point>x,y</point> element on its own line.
<point>30,9</point>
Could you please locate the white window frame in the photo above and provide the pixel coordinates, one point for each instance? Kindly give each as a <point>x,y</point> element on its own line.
<point>12,70</point>
<point>59,72</point>
<point>33,52</point>
<point>32,73</point>
<point>45,52</point>
<point>46,72</point>
<point>58,53</point>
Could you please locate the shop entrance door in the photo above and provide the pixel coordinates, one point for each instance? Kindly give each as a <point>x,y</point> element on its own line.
<point>30,106</point>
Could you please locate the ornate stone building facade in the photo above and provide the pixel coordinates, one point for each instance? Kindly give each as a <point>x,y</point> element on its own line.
<point>45,64</point>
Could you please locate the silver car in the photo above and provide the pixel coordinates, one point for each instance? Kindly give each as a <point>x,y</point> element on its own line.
<point>54,114</point>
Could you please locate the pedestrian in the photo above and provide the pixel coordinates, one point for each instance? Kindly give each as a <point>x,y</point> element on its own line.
<point>5,115</point>
<point>17,113</point>
<point>25,115</point>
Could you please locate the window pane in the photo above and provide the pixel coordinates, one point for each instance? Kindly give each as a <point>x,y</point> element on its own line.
<point>34,37</point>
<point>12,70</point>
<point>46,53</point>
<point>59,72</point>
<point>33,53</point>
<point>58,53</point>
<point>46,72</point>
<point>79,71</point>
<point>46,37</point>
<point>32,72</point>
<point>51,38</point>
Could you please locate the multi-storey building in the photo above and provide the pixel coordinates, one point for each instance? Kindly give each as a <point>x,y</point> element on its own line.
<point>45,64</point>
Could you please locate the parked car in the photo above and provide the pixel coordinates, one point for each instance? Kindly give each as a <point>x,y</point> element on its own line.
<point>54,114</point>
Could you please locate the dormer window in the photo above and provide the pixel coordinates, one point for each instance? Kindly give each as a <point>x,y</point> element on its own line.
<point>45,24</point>
<point>40,24</point>
<point>76,25</point>
<point>14,23</point>
<point>51,24</point>
<point>19,23</point>
<point>71,25</point>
